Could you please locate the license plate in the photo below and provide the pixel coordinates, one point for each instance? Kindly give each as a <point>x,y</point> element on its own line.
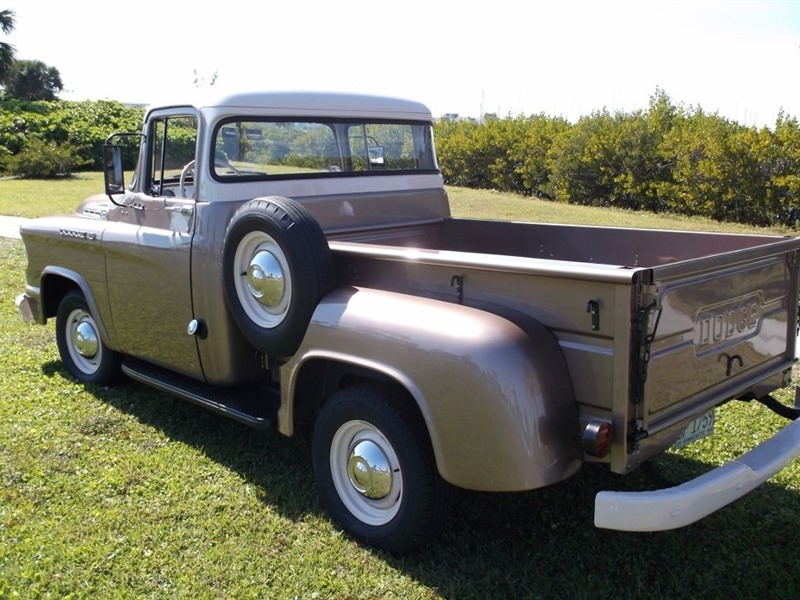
<point>697,429</point>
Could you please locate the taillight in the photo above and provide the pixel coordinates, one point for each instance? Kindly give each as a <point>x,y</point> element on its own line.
<point>597,438</point>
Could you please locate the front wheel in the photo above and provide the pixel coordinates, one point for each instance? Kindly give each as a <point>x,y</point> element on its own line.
<point>375,470</point>
<point>82,350</point>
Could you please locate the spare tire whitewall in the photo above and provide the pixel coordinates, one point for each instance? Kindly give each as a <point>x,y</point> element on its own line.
<point>277,266</point>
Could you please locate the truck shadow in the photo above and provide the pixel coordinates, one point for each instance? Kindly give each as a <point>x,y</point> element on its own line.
<point>533,544</point>
<point>547,545</point>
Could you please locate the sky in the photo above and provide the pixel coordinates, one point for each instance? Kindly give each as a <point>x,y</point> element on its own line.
<point>737,58</point>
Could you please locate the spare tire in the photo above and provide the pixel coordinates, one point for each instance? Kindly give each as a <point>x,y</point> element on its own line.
<point>277,266</point>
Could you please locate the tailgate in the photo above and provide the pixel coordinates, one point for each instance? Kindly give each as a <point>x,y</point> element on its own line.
<point>719,333</point>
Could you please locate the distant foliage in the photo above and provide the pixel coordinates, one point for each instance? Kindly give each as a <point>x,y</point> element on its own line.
<point>7,51</point>
<point>667,158</point>
<point>33,80</point>
<point>40,159</point>
<point>81,127</point>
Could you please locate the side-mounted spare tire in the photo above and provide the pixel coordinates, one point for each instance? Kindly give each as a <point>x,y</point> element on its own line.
<point>277,266</point>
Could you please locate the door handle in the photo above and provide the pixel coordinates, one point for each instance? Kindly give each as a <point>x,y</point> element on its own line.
<point>186,211</point>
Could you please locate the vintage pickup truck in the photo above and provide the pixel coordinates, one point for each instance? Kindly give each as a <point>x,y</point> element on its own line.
<point>290,260</point>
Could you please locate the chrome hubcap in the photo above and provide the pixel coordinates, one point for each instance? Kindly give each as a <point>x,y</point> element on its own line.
<point>366,472</point>
<point>265,279</point>
<point>369,470</point>
<point>84,339</point>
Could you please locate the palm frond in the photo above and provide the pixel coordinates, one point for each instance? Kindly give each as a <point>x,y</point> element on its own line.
<point>7,20</point>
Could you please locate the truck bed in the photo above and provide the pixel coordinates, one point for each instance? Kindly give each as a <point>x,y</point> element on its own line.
<point>682,321</point>
<point>617,247</point>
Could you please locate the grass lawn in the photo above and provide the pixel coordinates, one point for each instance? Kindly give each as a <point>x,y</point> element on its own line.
<point>127,493</point>
<point>35,198</point>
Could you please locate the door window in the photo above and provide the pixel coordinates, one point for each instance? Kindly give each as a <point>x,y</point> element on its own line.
<point>173,148</point>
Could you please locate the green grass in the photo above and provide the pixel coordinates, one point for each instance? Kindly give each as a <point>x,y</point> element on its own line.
<point>35,198</point>
<point>488,204</point>
<point>128,493</point>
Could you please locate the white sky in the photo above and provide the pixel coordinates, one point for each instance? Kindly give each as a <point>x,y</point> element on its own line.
<point>562,57</point>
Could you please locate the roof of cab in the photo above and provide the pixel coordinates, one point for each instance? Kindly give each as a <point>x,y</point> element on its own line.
<point>301,103</point>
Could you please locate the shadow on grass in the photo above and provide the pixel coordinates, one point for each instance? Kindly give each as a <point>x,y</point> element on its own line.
<point>280,467</point>
<point>538,544</point>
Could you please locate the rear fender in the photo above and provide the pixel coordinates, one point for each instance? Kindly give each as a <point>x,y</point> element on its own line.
<point>496,400</point>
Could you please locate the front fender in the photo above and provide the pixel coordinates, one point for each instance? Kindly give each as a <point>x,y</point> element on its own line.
<point>497,400</point>
<point>54,281</point>
<point>73,242</point>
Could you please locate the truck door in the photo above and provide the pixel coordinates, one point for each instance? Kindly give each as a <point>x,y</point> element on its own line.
<point>149,248</point>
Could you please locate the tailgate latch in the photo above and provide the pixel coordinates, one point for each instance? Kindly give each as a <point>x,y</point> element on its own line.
<point>730,360</point>
<point>593,308</point>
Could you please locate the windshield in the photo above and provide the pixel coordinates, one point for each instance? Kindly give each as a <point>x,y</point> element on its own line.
<point>263,149</point>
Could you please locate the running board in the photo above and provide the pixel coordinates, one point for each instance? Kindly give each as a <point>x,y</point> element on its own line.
<point>255,405</point>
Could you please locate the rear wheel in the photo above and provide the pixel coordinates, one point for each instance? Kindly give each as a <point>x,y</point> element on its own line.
<point>82,350</point>
<point>375,469</point>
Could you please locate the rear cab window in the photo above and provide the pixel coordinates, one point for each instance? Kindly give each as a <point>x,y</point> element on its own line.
<point>257,149</point>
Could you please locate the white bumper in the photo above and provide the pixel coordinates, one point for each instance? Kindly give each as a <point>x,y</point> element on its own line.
<point>691,501</point>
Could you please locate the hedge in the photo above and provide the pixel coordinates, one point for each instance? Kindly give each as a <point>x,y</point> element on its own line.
<point>667,158</point>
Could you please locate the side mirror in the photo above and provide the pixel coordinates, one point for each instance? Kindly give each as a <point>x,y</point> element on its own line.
<point>375,155</point>
<point>112,170</point>
<point>112,164</point>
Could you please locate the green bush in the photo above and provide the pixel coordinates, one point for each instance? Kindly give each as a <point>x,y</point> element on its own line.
<point>664,159</point>
<point>4,156</point>
<point>20,119</point>
<point>86,125</point>
<point>615,160</point>
<point>458,154</point>
<point>83,125</point>
<point>780,159</point>
<point>40,159</point>
<point>505,154</point>
<point>532,149</point>
<point>583,161</point>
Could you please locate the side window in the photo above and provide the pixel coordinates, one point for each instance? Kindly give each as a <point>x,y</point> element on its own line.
<point>253,148</point>
<point>172,148</point>
<point>390,147</point>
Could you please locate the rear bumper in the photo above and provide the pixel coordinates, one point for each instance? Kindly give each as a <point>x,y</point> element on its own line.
<point>691,501</point>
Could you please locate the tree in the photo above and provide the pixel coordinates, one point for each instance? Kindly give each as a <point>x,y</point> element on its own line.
<point>33,80</point>
<point>6,50</point>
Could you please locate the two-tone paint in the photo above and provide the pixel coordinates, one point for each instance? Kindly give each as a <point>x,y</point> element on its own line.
<point>510,338</point>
